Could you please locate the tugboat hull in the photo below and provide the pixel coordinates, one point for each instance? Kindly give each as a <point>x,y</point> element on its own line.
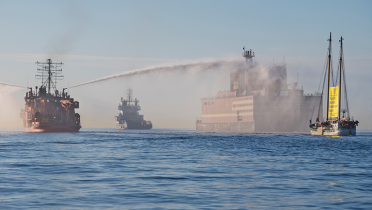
<point>127,125</point>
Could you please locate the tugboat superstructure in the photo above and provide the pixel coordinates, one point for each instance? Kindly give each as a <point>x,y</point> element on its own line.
<point>129,118</point>
<point>47,111</point>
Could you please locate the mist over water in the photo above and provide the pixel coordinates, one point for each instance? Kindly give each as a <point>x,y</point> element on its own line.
<point>193,67</point>
<point>9,108</point>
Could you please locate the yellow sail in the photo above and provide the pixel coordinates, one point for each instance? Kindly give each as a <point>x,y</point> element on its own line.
<point>333,102</point>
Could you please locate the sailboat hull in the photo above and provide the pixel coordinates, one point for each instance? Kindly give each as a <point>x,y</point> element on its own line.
<point>351,131</point>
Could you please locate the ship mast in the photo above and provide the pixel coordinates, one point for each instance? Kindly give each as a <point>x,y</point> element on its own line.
<point>129,95</point>
<point>47,71</point>
<point>329,71</point>
<point>339,83</point>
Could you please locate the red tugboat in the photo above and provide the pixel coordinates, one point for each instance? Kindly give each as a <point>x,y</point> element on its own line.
<point>46,111</point>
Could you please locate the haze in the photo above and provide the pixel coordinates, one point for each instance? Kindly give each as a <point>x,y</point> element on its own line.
<point>97,39</point>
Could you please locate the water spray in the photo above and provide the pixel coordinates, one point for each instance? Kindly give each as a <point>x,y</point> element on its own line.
<point>7,89</point>
<point>198,67</point>
<point>4,84</point>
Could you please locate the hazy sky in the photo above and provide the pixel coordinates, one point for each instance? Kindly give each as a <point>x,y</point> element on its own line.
<point>100,38</point>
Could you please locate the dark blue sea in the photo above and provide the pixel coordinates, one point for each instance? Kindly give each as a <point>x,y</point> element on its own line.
<point>184,169</point>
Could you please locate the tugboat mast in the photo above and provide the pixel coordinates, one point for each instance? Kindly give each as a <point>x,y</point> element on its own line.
<point>129,95</point>
<point>329,72</point>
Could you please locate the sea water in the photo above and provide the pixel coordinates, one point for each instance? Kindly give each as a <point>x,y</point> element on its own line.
<point>184,169</point>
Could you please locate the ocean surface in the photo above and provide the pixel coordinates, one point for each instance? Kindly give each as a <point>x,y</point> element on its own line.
<point>184,169</point>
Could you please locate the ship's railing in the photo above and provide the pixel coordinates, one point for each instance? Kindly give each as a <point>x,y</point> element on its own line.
<point>313,94</point>
<point>32,94</point>
<point>221,94</point>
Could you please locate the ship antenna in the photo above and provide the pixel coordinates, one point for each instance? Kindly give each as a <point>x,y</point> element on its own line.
<point>248,55</point>
<point>49,70</point>
<point>129,95</point>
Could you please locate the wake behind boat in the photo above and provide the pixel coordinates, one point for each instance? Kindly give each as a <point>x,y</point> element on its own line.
<point>335,125</point>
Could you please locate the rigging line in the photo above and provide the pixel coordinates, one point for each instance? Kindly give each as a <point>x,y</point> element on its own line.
<point>338,66</point>
<point>336,80</point>
<point>347,102</point>
<point>331,70</point>
<point>321,100</point>
<point>320,82</point>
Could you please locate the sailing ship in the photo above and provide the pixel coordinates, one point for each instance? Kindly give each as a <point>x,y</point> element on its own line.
<point>335,125</point>
<point>129,118</point>
<point>48,111</point>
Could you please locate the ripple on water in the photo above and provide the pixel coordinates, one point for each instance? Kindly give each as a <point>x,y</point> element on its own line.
<point>184,169</point>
